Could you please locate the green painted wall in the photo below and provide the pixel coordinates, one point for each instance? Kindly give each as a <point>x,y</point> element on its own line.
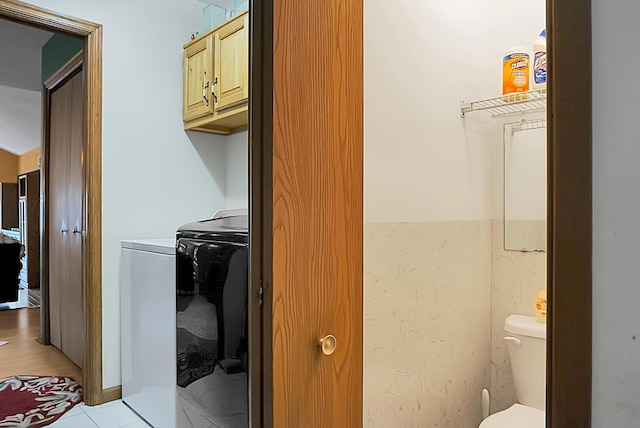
<point>57,51</point>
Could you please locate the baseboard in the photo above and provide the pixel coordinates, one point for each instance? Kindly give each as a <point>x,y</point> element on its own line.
<point>110,394</point>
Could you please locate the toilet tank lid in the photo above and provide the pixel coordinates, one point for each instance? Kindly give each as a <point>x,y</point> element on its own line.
<point>524,325</point>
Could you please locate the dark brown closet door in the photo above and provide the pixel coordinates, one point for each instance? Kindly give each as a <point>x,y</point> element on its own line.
<point>60,112</point>
<point>66,219</point>
<point>72,313</point>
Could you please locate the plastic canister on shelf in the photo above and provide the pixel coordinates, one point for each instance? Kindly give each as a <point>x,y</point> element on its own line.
<point>541,305</point>
<point>239,6</point>
<point>212,16</point>
<point>515,74</point>
<point>540,62</point>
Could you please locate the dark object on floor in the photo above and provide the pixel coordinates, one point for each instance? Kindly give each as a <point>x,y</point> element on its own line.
<point>36,401</point>
<point>194,363</point>
<point>232,365</point>
<point>10,267</point>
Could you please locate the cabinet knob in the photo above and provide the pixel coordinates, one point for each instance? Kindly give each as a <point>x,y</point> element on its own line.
<point>328,344</point>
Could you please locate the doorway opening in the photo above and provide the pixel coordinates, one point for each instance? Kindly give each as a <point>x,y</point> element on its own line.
<point>89,229</point>
<point>568,278</point>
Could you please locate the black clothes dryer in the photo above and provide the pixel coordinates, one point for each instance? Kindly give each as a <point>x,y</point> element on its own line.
<point>212,319</point>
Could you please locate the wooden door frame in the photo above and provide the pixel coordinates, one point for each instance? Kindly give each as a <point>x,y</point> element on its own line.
<point>569,260</point>
<point>260,211</point>
<point>569,339</point>
<point>92,271</point>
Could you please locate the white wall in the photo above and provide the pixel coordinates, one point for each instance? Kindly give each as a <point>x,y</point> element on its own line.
<point>525,181</point>
<point>236,167</point>
<point>616,210</point>
<point>20,119</point>
<point>427,323</point>
<point>423,162</point>
<point>155,176</point>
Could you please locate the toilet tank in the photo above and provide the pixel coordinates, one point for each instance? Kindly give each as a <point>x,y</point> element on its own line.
<point>526,338</point>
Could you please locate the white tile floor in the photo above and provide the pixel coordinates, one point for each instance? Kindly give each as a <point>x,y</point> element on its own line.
<point>22,302</point>
<point>114,414</point>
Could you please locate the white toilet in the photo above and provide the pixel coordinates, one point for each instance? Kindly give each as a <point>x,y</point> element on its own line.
<point>527,350</point>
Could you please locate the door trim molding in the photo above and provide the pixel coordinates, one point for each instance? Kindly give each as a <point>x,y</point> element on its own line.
<point>92,284</point>
<point>261,202</point>
<point>569,257</point>
<point>65,71</point>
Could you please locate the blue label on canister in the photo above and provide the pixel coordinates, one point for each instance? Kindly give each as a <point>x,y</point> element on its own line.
<point>540,68</point>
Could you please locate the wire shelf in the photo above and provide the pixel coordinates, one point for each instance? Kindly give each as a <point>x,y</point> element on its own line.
<point>526,125</point>
<point>521,103</point>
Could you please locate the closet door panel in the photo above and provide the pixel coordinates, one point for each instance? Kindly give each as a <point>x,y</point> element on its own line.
<point>60,113</point>
<point>72,313</point>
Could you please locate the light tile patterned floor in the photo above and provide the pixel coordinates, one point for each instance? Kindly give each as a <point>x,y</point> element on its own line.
<point>114,414</point>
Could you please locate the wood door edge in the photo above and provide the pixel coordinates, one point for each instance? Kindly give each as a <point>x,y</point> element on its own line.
<point>261,200</point>
<point>569,257</point>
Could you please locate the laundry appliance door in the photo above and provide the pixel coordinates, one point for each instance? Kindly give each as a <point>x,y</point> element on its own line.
<point>212,333</point>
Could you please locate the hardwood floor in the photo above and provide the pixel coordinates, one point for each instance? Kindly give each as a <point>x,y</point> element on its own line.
<point>23,355</point>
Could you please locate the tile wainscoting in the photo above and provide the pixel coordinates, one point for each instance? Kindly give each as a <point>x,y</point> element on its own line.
<point>427,323</point>
<point>516,278</point>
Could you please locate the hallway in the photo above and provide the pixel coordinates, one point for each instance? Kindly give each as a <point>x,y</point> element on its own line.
<point>23,355</point>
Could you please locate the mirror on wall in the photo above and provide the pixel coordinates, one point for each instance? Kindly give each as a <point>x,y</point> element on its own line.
<point>525,186</point>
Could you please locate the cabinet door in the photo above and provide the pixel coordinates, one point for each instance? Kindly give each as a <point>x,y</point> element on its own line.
<point>232,63</point>
<point>198,79</point>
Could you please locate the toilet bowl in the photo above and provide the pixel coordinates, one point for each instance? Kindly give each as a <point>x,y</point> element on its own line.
<point>527,351</point>
<point>516,416</point>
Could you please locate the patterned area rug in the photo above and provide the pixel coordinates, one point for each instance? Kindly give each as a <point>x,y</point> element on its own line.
<point>34,401</point>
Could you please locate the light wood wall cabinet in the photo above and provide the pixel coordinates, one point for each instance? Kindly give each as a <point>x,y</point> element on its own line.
<point>216,78</point>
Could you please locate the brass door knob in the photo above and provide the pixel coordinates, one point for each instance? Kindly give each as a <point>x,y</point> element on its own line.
<point>328,344</point>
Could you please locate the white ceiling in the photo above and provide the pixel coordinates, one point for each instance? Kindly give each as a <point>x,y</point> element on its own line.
<point>20,86</point>
<point>20,119</point>
<point>21,55</point>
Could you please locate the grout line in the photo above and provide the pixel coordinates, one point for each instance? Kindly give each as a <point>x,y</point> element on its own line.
<point>135,423</point>
<point>91,419</point>
<point>63,420</point>
<point>140,418</point>
<point>88,409</point>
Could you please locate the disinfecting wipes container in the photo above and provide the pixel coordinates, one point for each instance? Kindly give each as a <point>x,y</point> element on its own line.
<point>515,74</point>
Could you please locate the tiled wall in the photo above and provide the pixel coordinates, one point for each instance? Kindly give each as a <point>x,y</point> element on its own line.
<point>427,323</point>
<point>516,278</point>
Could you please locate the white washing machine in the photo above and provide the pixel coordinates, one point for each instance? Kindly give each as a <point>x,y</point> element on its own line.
<point>148,325</point>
